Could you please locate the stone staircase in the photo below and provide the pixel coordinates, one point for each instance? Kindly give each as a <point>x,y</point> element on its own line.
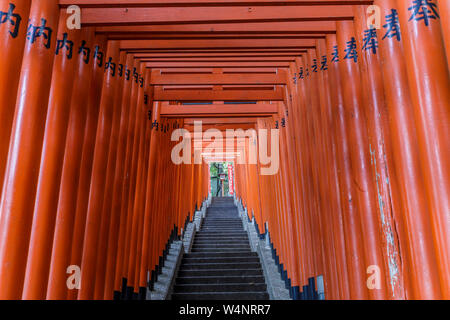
<point>221,265</point>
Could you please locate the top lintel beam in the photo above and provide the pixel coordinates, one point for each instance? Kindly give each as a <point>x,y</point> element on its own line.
<point>203,3</point>
<point>208,15</point>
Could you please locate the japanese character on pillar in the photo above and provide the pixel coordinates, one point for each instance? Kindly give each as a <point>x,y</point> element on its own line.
<point>98,55</point>
<point>85,51</point>
<point>370,40</point>
<point>110,65</point>
<point>64,43</point>
<point>13,18</point>
<point>141,81</point>
<point>155,124</point>
<point>301,73</point>
<point>392,25</point>
<point>314,66</point>
<point>324,63</point>
<point>127,74</point>
<point>423,10</point>
<point>335,54</point>
<point>145,99</point>
<point>135,75</point>
<point>120,70</point>
<point>35,32</point>
<point>350,51</point>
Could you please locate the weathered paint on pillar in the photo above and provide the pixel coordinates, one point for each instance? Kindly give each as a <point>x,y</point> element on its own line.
<point>419,263</point>
<point>360,154</point>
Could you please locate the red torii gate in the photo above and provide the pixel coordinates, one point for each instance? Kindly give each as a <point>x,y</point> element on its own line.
<point>363,120</point>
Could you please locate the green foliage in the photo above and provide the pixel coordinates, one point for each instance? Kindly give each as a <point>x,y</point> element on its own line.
<point>216,169</point>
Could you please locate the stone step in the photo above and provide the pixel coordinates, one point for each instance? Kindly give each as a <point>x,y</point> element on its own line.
<point>222,228</point>
<point>220,280</point>
<point>220,266</point>
<point>205,250</point>
<point>221,237</point>
<point>212,218</point>
<point>222,225</point>
<point>221,241</point>
<point>213,254</point>
<point>220,246</point>
<point>220,272</point>
<point>227,287</point>
<point>222,296</point>
<point>219,222</point>
<point>228,234</point>
<point>221,260</point>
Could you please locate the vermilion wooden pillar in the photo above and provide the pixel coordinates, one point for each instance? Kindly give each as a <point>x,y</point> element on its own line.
<point>98,177</point>
<point>287,127</point>
<point>313,164</point>
<point>375,111</point>
<point>429,79</point>
<point>322,136</point>
<point>135,198</point>
<point>420,265</point>
<point>45,208</point>
<point>146,259</point>
<point>80,203</point>
<point>65,218</point>
<point>319,150</point>
<point>444,12</point>
<point>360,153</point>
<point>141,181</point>
<point>20,179</point>
<point>350,219</point>
<point>12,43</point>
<point>290,265</point>
<point>122,190</point>
<point>335,215</point>
<point>304,169</point>
<point>118,110</point>
<point>292,125</point>
<point>142,261</point>
<point>117,219</point>
<point>127,201</point>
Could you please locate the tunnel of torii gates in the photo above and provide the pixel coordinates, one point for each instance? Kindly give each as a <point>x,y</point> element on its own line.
<point>358,96</point>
